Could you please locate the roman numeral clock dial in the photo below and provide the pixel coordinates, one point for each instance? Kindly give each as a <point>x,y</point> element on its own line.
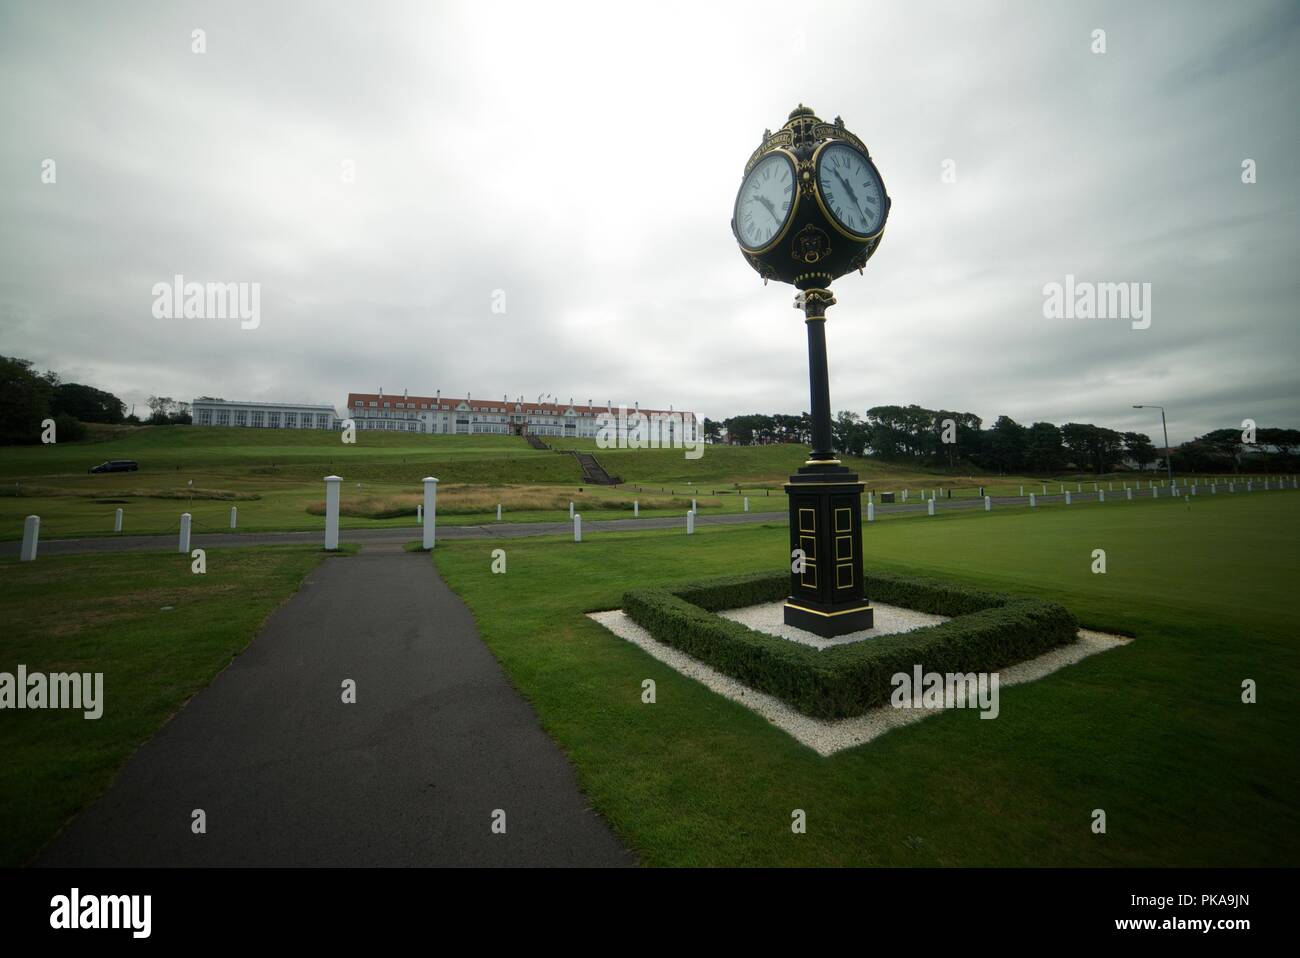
<point>765,201</point>
<point>850,188</point>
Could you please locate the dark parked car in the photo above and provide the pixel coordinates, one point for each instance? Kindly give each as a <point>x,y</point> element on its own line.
<point>116,465</point>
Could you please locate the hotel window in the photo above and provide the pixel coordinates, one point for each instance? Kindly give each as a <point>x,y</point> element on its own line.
<point>257,418</point>
<point>291,420</point>
<point>205,417</point>
<point>241,417</point>
<point>273,420</point>
<point>322,421</point>
<point>373,404</point>
<point>223,417</point>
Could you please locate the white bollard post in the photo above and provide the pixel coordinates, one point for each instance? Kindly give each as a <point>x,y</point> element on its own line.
<point>1033,502</point>
<point>1214,490</point>
<point>636,509</point>
<point>1080,488</point>
<point>904,495</point>
<point>1110,487</point>
<point>570,509</point>
<point>929,507</point>
<point>690,523</point>
<point>1022,491</point>
<point>430,512</point>
<point>1044,488</point>
<point>1193,490</point>
<point>988,503</point>
<point>498,512</point>
<point>1129,494</point>
<point>577,527</point>
<point>694,508</point>
<point>184,544</point>
<point>31,538</point>
<point>747,503</point>
<point>1248,486</point>
<point>234,516</point>
<point>1232,487</point>
<point>871,512</point>
<point>1155,493</point>
<point>1067,497</point>
<point>332,486</point>
<point>419,514</point>
<point>117,519</point>
<point>1101,495</point>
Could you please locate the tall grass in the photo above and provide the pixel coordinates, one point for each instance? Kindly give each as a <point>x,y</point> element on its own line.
<point>468,500</point>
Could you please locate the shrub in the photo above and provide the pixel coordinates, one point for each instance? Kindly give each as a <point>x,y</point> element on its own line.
<point>68,428</point>
<point>988,631</point>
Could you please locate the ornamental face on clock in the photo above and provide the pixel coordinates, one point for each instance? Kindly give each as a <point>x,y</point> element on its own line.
<point>765,202</point>
<point>850,190</point>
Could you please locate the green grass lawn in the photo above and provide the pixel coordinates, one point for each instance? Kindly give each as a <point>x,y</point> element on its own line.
<point>106,614</point>
<point>1155,733</point>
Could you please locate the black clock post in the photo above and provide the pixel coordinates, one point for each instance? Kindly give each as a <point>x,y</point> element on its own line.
<point>812,207</point>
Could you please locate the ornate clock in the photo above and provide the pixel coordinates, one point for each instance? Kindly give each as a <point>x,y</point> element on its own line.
<point>812,205</point>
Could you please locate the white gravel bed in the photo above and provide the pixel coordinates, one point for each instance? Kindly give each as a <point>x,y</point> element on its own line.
<point>888,619</point>
<point>827,738</point>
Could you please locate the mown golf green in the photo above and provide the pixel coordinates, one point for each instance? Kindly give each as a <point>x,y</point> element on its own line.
<point>158,632</point>
<point>1155,733</point>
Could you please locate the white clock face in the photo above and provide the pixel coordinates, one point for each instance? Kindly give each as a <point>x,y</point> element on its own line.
<point>851,190</point>
<point>766,197</point>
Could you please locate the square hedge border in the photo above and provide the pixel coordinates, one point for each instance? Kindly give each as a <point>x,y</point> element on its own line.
<point>986,631</point>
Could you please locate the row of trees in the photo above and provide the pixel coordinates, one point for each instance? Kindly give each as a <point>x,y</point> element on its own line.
<point>28,398</point>
<point>948,438</point>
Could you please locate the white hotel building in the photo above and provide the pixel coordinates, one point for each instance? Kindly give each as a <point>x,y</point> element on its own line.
<point>440,414</point>
<point>207,411</point>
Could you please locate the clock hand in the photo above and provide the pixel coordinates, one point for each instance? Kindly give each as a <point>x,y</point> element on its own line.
<point>767,205</point>
<point>847,186</point>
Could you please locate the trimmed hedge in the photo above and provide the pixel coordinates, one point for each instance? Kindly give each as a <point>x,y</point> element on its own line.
<point>988,631</point>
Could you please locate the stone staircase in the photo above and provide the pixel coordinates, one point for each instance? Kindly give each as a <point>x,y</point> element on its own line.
<point>593,472</point>
<point>536,442</point>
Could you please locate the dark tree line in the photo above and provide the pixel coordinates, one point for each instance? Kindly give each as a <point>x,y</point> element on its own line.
<point>948,438</point>
<point>28,398</point>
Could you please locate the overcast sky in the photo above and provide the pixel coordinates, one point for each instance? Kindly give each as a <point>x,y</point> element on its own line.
<point>584,160</point>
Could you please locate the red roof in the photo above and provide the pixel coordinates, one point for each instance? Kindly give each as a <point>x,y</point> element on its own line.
<point>485,405</point>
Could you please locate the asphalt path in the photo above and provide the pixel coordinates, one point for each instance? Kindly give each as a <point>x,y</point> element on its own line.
<point>286,773</point>
<point>501,530</point>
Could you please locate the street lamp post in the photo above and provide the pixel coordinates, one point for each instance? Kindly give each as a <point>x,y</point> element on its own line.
<point>1169,467</point>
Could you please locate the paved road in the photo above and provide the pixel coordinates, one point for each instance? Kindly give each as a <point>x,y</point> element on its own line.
<point>409,775</point>
<point>509,530</point>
